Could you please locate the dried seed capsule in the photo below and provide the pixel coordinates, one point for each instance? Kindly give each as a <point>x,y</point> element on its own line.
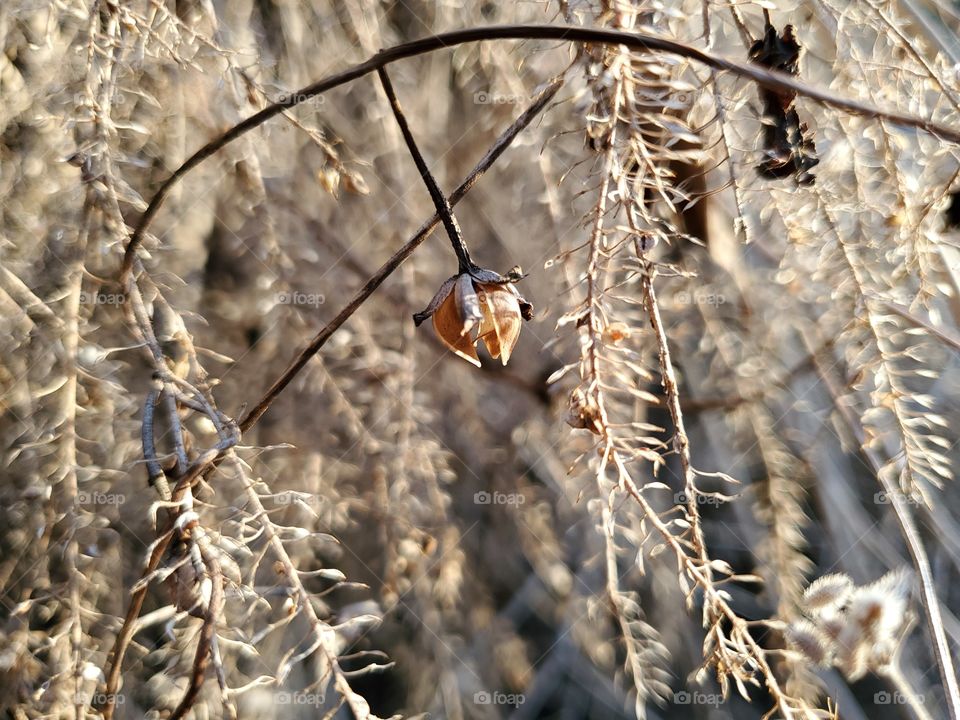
<point>478,305</point>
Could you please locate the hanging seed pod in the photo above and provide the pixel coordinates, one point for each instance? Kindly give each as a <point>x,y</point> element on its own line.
<point>478,305</point>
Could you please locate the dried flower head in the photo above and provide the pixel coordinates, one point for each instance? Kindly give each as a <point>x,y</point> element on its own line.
<point>478,305</point>
<point>856,629</point>
<point>615,333</point>
<point>879,616</point>
<point>583,413</point>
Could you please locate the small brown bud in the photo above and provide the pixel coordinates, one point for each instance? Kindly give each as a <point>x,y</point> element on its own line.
<point>615,333</point>
<point>329,179</point>
<point>354,183</point>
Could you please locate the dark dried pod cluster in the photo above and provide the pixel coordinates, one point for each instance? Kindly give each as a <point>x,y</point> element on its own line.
<point>789,150</point>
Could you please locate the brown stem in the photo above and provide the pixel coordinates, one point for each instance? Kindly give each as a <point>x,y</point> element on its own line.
<point>207,631</point>
<point>126,630</point>
<point>440,201</point>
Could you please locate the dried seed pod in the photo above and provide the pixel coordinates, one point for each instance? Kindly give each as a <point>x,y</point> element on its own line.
<point>329,179</point>
<point>583,413</point>
<point>353,182</point>
<point>478,305</point>
<point>788,149</point>
<point>500,326</point>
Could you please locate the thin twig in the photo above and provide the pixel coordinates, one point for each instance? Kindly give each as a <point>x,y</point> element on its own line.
<point>945,335</point>
<point>207,630</point>
<point>154,469</point>
<point>321,630</point>
<point>716,599</point>
<point>127,629</point>
<point>671,388</point>
<point>440,201</point>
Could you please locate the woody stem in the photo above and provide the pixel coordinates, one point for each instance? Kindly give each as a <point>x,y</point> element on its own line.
<point>439,199</point>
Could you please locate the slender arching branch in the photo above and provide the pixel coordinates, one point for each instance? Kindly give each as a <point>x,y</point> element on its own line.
<point>635,41</point>
<point>206,462</point>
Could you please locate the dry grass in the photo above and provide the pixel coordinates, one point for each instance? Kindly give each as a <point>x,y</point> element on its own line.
<point>714,480</point>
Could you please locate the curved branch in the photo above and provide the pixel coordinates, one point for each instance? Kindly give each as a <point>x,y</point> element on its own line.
<point>635,41</point>
<point>208,460</point>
